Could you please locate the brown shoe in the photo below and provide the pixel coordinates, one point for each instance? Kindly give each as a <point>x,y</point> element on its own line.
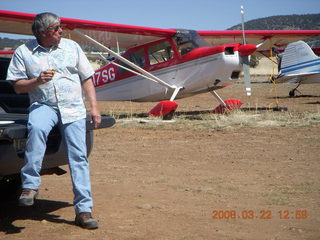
<point>85,220</point>
<point>27,197</point>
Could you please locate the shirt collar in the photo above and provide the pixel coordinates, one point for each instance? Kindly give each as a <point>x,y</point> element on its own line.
<point>37,46</point>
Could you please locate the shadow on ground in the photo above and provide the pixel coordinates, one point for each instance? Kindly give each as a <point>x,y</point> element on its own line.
<point>10,212</point>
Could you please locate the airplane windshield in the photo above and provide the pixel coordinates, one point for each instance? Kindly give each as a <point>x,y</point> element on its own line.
<point>188,40</point>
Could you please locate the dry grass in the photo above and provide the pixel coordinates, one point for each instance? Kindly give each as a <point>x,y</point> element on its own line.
<point>234,120</point>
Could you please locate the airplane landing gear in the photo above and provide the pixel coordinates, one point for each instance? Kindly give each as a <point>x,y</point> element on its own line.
<point>292,93</point>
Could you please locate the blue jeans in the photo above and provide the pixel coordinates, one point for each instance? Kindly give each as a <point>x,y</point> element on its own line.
<point>42,119</point>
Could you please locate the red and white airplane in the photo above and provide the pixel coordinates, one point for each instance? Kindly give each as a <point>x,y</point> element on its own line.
<point>163,64</point>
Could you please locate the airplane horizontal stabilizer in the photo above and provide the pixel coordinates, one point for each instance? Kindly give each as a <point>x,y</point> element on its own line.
<point>298,59</point>
<point>294,78</point>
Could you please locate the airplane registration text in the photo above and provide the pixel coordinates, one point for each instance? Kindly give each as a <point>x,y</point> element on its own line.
<point>104,76</point>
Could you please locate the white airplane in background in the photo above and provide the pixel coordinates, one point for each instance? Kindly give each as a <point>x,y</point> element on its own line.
<point>299,64</point>
<point>164,64</point>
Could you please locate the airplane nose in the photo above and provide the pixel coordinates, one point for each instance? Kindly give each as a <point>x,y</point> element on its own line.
<point>247,49</point>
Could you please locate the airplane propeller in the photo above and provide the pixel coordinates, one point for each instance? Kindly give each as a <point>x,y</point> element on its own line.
<point>245,50</point>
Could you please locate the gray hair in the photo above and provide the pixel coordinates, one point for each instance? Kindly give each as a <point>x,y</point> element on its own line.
<point>43,21</point>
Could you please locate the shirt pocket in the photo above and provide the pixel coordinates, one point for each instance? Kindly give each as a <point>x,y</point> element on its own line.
<point>67,60</point>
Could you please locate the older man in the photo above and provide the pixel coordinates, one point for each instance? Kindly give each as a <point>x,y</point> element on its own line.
<point>55,72</point>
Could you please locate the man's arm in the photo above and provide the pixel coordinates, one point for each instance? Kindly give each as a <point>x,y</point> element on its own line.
<point>90,93</point>
<point>26,85</point>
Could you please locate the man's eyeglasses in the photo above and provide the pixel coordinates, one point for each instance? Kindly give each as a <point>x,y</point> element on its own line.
<point>56,28</point>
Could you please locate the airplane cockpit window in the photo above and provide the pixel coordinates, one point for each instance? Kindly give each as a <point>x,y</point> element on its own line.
<point>160,53</point>
<point>188,40</point>
<point>137,58</point>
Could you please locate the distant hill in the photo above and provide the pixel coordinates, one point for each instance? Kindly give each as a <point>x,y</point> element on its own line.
<point>10,44</point>
<point>285,22</point>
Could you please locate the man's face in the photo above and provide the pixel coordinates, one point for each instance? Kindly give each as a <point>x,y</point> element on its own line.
<point>52,36</point>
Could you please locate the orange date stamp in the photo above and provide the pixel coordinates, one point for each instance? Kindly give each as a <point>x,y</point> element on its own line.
<point>248,214</point>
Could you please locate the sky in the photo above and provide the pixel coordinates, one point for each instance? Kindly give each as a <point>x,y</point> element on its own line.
<point>187,14</point>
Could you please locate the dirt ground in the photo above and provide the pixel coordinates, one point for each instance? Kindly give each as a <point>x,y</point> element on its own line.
<point>172,183</point>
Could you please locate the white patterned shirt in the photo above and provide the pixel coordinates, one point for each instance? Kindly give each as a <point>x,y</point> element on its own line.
<point>64,91</point>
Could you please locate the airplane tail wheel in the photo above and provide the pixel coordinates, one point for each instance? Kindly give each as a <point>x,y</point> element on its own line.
<point>292,93</point>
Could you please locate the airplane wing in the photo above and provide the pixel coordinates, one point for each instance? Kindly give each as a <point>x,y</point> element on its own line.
<point>109,34</point>
<point>276,38</point>
<point>126,36</point>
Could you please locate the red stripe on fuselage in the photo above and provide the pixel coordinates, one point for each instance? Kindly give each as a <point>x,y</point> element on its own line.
<point>110,72</point>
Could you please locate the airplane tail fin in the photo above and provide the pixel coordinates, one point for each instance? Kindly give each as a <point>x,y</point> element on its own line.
<point>297,59</point>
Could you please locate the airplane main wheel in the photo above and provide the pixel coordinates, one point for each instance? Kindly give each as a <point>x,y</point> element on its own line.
<point>169,116</point>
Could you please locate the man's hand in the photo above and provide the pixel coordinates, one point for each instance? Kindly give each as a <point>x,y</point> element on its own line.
<point>45,76</point>
<point>95,117</point>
